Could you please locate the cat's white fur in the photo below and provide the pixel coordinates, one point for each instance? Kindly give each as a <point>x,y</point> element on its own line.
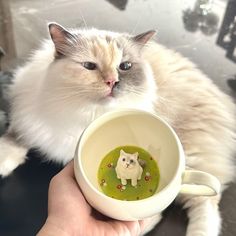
<point>201,114</point>
<point>127,169</point>
<point>29,119</point>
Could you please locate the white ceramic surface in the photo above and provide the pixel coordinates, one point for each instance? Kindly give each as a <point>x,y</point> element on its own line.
<point>150,132</point>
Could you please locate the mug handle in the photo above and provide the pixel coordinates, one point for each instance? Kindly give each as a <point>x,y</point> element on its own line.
<point>199,183</point>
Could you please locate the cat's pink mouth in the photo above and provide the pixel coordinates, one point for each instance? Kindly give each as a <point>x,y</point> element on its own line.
<point>110,93</point>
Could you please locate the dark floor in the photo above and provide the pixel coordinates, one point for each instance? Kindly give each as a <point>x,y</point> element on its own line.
<point>205,33</point>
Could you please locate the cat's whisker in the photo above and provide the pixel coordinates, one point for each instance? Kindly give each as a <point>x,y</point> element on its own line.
<point>85,23</point>
<point>135,91</point>
<point>136,25</point>
<point>75,94</point>
<point>164,100</point>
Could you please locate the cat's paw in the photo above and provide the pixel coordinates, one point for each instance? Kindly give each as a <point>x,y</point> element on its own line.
<point>11,155</point>
<point>134,183</point>
<point>8,165</point>
<point>149,223</point>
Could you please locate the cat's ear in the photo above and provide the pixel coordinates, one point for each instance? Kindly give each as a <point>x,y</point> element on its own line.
<point>144,37</point>
<point>136,155</point>
<point>122,152</point>
<point>61,38</point>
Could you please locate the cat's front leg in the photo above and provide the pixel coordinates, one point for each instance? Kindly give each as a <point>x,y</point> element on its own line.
<point>204,216</point>
<point>123,181</point>
<point>134,182</point>
<point>12,154</point>
<point>140,173</point>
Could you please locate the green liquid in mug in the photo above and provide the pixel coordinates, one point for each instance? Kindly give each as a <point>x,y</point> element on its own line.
<point>111,185</point>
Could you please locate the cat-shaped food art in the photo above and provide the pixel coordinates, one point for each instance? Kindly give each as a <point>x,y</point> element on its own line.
<point>128,167</point>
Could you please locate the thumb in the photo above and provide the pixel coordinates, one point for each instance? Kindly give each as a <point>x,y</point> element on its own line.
<point>68,169</point>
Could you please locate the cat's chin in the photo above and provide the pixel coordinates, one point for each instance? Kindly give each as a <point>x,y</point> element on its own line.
<point>107,100</point>
<point>109,97</point>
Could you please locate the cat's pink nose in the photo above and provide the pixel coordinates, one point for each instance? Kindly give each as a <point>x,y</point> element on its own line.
<point>111,82</point>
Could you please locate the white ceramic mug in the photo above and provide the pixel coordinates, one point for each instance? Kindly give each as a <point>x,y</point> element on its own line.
<point>150,132</point>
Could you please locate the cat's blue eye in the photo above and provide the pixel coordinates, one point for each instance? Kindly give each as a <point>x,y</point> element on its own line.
<point>123,159</point>
<point>125,65</point>
<point>89,65</point>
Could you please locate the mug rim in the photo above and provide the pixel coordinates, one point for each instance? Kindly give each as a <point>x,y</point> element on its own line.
<point>181,160</point>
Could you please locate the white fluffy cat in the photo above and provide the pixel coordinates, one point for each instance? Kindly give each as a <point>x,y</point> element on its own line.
<point>81,74</point>
<point>128,168</point>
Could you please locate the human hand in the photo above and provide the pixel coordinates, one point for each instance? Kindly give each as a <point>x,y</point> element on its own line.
<point>69,213</point>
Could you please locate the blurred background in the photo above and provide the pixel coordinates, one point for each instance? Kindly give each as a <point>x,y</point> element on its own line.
<point>202,30</point>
